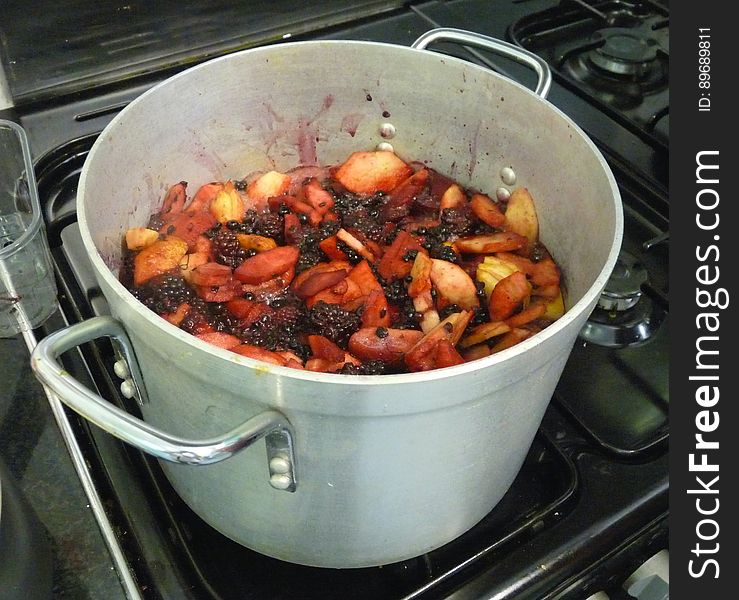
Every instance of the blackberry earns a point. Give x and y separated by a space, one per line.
333 322
281 329
448 310
227 250
164 293
310 253
372 367
270 225
156 222
361 212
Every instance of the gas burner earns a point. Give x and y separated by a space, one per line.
621 64
625 52
624 316
614 53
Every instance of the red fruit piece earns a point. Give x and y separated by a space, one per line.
260 354
318 281
507 296
388 345
211 274
174 200
322 347
189 226
220 339
376 311
486 210
392 265
204 196
267 265
400 200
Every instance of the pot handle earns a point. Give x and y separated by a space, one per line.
520 55
269 424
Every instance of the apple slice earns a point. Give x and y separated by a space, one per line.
486 210
453 284
521 216
372 172
160 257
269 185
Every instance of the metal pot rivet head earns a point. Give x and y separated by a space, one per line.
128 389
280 481
508 175
121 369
502 194
385 146
279 465
387 130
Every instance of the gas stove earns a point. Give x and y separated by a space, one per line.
590 503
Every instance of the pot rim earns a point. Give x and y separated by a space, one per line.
584 304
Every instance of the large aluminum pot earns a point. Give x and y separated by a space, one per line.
357 470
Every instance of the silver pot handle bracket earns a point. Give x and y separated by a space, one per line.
520 55
270 424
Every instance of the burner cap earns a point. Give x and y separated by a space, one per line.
623 288
624 315
624 51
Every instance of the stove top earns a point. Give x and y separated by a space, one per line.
590 503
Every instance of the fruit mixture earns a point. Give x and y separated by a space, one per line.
369 267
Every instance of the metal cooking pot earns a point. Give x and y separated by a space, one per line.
357 470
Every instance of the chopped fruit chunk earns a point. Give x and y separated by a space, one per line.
189 227
174 200
160 257
355 244
260 353
220 339
492 269
385 344
484 332
486 210
268 186
204 196
267 265
452 197
211 274
258 243
503 241
533 311
227 205
372 172
138 238
510 293
397 260
453 284
513 337
521 215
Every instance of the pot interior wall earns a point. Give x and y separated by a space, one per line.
276 108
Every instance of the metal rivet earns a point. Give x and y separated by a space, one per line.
128 389
387 130
120 367
279 465
508 175
502 194
280 481
385 146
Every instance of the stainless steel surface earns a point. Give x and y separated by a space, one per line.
449 34
134 431
384 476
